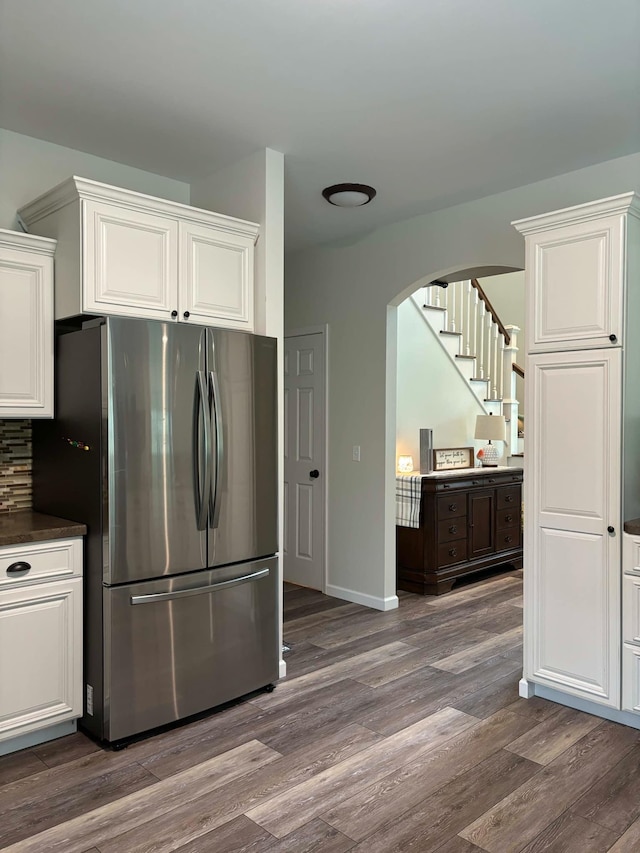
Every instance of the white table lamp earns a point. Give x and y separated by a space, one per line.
491 428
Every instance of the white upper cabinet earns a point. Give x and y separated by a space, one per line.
26 326
121 252
575 260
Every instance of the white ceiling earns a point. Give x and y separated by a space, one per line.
433 102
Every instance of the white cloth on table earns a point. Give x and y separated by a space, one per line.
408 495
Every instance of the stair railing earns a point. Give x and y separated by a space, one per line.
483 335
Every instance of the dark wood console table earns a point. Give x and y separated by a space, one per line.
469 521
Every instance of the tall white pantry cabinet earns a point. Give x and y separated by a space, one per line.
583 444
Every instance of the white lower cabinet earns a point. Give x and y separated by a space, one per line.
631 678
40 636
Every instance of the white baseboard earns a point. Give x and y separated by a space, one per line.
41 736
627 718
390 603
282 669
525 689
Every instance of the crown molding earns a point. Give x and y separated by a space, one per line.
28 242
82 188
626 203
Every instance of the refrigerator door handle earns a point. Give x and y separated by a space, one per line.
198 590
216 491
201 480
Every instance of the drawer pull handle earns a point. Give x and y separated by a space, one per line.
453 552
18 568
475 482
508 498
453 507
492 479
508 518
453 529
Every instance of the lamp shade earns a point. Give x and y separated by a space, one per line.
405 464
491 427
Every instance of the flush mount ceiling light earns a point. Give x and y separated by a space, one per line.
349 195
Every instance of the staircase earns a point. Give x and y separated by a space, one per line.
481 347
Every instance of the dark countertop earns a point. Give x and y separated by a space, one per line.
16 528
632 527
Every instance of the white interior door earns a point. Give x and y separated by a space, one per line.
304 460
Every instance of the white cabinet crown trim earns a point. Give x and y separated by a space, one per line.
29 242
626 203
76 187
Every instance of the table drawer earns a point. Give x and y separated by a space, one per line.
508 497
508 518
41 561
508 538
452 552
451 506
450 529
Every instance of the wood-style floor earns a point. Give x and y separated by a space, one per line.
397 731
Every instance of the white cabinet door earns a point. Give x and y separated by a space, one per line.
573 497
216 277
40 656
574 297
26 329
130 261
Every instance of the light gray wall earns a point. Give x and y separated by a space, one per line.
353 288
30 167
431 392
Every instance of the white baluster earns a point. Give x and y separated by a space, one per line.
501 364
474 326
468 289
494 373
452 297
487 363
436 296
480 349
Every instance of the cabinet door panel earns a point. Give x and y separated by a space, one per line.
26 335
630 678
573 563
575 293
130 262
216 277
40 656
481 523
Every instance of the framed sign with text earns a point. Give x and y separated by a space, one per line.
451 458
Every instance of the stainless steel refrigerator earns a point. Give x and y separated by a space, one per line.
164 444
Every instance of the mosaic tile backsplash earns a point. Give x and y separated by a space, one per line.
15 465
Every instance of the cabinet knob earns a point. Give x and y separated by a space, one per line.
453 529
610 529
174 313
453 552
18 568
613 338
453 507
508 518
508 539
186 315
508 499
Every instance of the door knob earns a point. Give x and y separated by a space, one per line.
314 474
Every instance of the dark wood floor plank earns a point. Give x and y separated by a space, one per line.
571 833
239 835
444 640
99 824
381 803
523 815
490 699
478 652
436 691
439 817
64 750
286 813
629 842
457 845
536 708
314 837
353 667
554 735
17 765
186 821
614 801
20 823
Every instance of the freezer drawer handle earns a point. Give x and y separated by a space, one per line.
198 590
